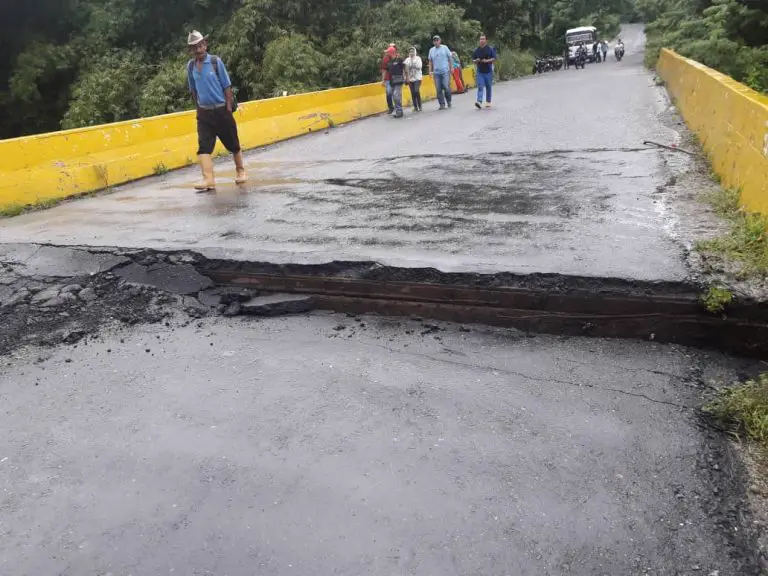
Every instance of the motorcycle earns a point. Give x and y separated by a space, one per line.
618 52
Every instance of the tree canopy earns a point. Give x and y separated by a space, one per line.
71 63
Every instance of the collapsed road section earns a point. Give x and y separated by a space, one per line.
666 312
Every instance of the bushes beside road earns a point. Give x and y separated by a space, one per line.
728 35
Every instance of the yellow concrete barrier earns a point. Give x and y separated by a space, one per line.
730 119
63 164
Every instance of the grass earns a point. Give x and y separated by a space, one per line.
745 241
716 299
12 210
743 410
160 169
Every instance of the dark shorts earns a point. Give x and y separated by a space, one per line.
216 123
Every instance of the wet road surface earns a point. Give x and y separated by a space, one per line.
553 179
333 445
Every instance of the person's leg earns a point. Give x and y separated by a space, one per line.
206 140
447 88
457 79
397 98
417 85
388 89
480 90
438 78
488 87
227 133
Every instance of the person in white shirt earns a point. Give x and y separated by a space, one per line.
414 73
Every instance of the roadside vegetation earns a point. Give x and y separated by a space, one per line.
746 241
728 35
73 63
742 410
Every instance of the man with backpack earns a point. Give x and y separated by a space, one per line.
214 99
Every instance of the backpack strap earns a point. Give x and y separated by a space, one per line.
189 72
215 63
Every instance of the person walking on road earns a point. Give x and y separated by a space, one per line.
458 73
484 56
441 66
397 76
388 55
211 91
414 73
604 49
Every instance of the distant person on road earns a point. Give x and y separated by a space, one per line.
566 55
440 67
396 70
484 56
596 52
458 74
388 55
414 73
211 91
604 49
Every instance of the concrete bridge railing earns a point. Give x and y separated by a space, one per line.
731 121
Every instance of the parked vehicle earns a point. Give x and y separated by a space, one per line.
585 34
547 64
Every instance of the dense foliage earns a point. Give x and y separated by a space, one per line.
70 63
728 35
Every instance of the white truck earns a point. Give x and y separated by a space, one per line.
586 34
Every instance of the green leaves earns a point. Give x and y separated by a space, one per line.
727 35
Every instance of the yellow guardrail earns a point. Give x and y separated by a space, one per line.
731 121
72 162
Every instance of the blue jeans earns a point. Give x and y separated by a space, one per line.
397 98
484 83
443 87
388 88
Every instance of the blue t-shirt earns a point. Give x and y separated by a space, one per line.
209 87
441 58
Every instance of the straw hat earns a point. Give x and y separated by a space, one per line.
195 38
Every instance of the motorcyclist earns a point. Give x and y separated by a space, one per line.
581 54
619 48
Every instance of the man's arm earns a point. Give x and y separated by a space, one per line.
230 99
431 64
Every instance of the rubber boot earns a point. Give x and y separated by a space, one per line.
206 165
241 176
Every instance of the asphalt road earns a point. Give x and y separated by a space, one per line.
553 179
330 445
325 444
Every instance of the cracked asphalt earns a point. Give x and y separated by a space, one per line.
332 444
145 433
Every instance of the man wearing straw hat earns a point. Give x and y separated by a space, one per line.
211 90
